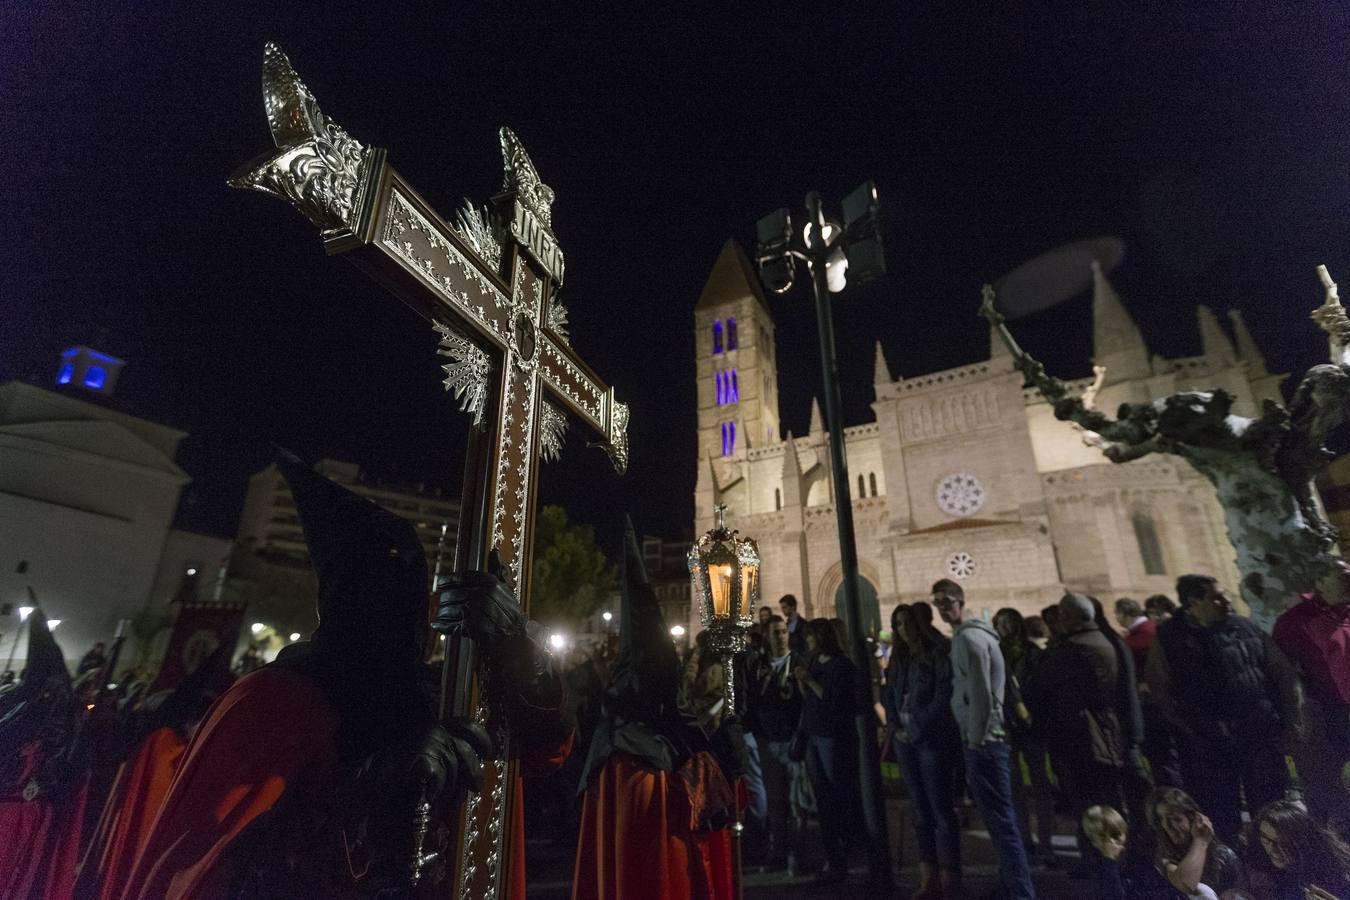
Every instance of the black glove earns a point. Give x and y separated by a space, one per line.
480 606
393 783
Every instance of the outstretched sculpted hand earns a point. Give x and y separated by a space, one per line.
480 606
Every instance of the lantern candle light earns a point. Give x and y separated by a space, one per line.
724 570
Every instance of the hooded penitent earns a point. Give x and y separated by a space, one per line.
39 724
373 601
641 714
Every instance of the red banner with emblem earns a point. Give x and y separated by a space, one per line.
199 629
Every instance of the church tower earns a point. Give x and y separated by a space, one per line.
735 361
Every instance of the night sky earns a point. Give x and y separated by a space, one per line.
1213 143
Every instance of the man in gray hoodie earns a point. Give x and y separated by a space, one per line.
977 703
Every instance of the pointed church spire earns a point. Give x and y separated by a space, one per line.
1116 341
882 372
997 349
816 426
732 278
1214 342
1247 350
792 475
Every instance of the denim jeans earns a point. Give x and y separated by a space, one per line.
990 786
832 764
784 792
757 807
927 771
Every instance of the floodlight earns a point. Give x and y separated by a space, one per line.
295 636
860 204
557 641
775 263
52 623
607 616
24 613
677 631
258 627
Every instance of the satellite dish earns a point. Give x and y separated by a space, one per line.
1056 276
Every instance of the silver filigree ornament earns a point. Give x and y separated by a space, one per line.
617 445
552 432
477 226
468 372
557 321
521 177
317 166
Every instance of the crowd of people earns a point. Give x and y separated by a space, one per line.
1180 748
1196 755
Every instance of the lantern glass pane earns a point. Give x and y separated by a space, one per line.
749 588
721 577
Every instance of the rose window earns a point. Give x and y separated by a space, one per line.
960 494
961 565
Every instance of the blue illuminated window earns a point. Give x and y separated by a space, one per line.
721 388
728 438
94 377
731 334
717 336
67 372
734 389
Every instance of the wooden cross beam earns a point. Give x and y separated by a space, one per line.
489 286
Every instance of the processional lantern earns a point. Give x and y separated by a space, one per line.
724 571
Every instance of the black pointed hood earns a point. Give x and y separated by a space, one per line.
372 570
45 660
646 678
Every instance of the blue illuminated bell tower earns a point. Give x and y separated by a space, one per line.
89 370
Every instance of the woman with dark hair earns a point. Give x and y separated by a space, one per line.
1186 853
926 740
832 745
1302 859
1020 656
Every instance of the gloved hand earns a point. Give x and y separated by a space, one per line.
394 782
445 755
480 606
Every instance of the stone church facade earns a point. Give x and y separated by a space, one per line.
961 474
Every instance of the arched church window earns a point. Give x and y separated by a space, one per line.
1150 548
734 394
717 336
862 487
728 438
777 498
721 388
731 333
872 481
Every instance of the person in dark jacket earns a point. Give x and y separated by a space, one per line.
924 734
773 708
1073 699
832 744
1021 655
1231 698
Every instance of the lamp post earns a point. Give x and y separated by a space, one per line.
834 254
724 574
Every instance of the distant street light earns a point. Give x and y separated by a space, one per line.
52 623
24 613
192 571
677 631
295 636
557 641
258 628
607 616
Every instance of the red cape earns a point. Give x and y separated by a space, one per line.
637 837
40 841
140 788
270 731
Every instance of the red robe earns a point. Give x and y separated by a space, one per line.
639 836
141 786
273 734
40 838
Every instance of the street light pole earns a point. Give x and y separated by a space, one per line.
873 798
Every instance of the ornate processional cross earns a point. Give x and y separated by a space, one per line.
489 286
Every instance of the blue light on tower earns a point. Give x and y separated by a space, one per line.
67 372
94 377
